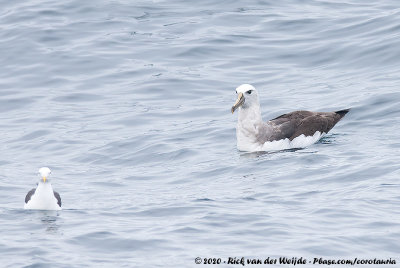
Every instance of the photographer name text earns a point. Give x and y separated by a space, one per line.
293 261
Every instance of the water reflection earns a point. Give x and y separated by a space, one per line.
328 139
48 219
262 153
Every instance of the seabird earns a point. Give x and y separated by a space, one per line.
43 197
297 129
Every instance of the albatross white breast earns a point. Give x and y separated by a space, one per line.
43 197
292 130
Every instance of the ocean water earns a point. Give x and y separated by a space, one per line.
128 102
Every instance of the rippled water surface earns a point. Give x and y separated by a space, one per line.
128 102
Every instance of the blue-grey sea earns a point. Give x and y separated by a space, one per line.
128 102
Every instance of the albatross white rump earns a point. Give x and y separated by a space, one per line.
292 130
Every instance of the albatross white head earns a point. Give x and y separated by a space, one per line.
44 173
247 102
249 118
247 98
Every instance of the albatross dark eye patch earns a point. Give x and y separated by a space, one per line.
249 92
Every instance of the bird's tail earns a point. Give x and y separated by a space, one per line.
343 112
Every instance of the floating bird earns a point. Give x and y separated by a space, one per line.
297 129
43 197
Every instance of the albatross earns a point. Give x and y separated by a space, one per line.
297 129
43 197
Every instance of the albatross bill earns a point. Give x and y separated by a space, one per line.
297 129
43 197
238 102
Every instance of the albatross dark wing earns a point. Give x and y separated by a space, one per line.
342 113
58 197
29 195
293 116
296 123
